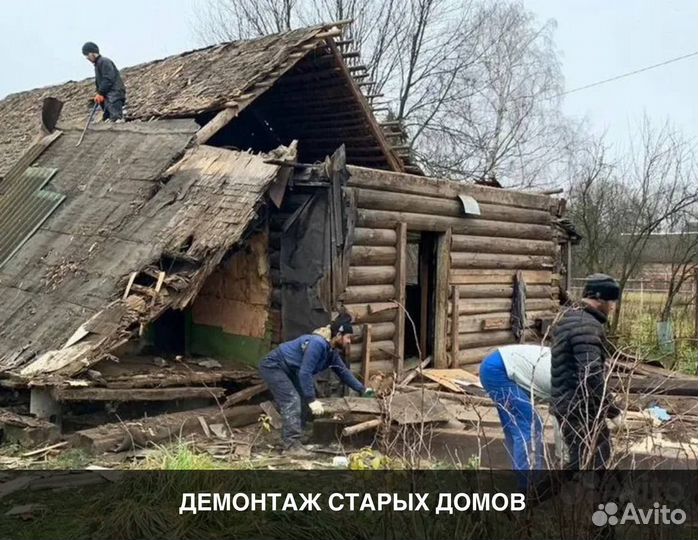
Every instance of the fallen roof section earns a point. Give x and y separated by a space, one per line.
132 219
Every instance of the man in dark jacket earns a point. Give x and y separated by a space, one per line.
581 400
289 369
111 92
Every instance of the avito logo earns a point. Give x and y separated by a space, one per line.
607 514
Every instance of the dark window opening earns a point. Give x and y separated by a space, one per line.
420 293
168 333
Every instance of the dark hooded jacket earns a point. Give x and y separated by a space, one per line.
108 80
578 366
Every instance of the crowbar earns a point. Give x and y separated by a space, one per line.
89 120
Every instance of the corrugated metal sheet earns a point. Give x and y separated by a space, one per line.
24 206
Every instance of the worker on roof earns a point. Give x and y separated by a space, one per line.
581 400
289 369
111 92
514 376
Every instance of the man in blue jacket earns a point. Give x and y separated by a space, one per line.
289 372
111 92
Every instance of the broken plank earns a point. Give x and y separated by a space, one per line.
347 405
127 435
274 416
244 395
360 427
366 353
136 394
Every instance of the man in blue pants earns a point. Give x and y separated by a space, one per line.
513 375
289 369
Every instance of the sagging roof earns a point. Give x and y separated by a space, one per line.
146 217
230 75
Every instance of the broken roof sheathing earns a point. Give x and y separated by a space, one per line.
131 207
229 75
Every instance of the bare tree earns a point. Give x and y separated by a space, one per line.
618 206
682 251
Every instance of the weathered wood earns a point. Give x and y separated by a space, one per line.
269 409
414 372
365 353
244 394
357 294
512 246
439 206
500 261
166 378
371 275
217 123
400 285
363 426
424 300
136 394
376 312
487 338
474 277
464 225
372 255
374 237
420 185
496 321
454 326
475 306
380 350
126 435
443 251
474 355
503 291
379 331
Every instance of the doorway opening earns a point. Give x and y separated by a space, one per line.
420 298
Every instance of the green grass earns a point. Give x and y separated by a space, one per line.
637 330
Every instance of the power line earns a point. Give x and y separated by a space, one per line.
628 74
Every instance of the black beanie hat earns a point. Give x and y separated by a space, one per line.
341 325
601 287
89 47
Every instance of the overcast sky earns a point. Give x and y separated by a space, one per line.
40 43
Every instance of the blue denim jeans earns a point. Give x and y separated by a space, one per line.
283 385
523 429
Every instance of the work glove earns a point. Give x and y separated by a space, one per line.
616 423
316 408
369 392
99 99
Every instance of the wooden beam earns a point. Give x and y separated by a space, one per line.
363 426
393 161
217 123
371 275
400 292
374 237
136 394
454 326
443 257
244 395
366 354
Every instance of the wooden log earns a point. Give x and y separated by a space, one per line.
475 355
126 435
372 313
363 426
372 255
217 123
380 350
454 326
474 277
365 353
368 293
475 306
443 252
500 261
377 366
374 237
485 244
136 394
371 275
503 291
439 206
379 332
187 377
244 394
496 321
464 225
420 185
400 285
486 339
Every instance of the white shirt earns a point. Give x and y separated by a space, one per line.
529 367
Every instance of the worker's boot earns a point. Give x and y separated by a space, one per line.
296 449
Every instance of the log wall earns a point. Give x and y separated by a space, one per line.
514 232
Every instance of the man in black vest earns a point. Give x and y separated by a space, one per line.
581 400
111 92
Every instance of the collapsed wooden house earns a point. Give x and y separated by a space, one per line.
250 194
